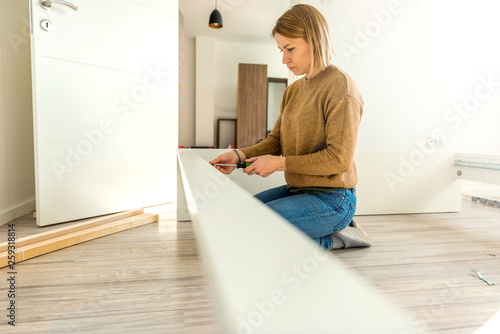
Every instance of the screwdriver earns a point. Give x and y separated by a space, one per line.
238 165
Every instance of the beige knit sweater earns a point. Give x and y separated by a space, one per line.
316 131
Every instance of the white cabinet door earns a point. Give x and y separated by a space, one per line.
105 87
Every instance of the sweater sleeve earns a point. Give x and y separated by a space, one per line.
342 119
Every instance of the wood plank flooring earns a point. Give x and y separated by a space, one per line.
423 263
150 280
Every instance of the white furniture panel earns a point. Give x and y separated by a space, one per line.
268 277
105 91
389 182
407 182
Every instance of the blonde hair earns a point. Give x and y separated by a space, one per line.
305 21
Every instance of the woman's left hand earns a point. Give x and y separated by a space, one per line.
265 165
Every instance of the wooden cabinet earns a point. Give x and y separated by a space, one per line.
252 104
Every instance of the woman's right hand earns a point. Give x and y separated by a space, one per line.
227 158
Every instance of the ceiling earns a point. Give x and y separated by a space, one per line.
249 21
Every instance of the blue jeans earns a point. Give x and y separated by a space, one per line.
317 215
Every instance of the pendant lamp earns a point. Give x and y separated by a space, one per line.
215 18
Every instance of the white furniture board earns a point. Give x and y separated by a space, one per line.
389 182
268 277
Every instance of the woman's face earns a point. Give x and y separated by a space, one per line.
296 54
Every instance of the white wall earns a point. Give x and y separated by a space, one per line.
428 71
418 63
205 91
17 184
186 96
216 83
425 69
227 57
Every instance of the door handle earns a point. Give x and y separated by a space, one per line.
48 4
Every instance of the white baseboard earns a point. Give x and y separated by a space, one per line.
16 212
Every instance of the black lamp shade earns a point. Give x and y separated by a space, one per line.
215 20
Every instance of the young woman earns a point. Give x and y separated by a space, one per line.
314 138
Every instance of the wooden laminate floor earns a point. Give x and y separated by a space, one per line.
150 280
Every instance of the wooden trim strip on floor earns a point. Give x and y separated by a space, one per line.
39 244
72 228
